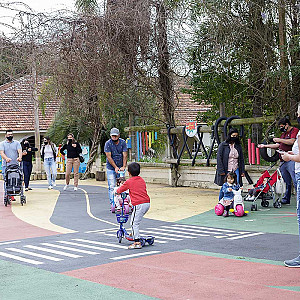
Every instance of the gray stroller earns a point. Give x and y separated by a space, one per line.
13 180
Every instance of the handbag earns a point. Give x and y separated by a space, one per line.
81 158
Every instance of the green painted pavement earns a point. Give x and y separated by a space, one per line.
271 220
228 256
28 283
288 288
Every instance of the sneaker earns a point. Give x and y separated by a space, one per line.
26 189
65 187
284 201
75 188
30 189
251 198
54 184
136 245
12 198
293 263
50 187
225 214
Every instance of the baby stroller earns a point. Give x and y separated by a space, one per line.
273 189
13 180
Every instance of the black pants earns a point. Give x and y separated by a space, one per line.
27 169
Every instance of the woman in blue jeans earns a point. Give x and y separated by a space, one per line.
27 152
48 154
294 155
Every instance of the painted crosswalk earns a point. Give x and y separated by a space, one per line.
61 250
178 232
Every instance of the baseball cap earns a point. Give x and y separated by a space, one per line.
114 131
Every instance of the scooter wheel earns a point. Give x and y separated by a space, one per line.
151 241
119 235
143 242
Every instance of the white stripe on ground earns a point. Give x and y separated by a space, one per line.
161 237
53 251
245 235
206 228
6 243
100 243
88 210
69 248
29 261
135 255
194 230
87 246
173 233
99 230
186 231
34 254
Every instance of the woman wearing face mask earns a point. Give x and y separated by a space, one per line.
230 158
27 152
73 149
48 154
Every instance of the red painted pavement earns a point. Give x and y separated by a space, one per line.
12 228
179 275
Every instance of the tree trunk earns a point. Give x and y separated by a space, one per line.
36 115
164 72
283 56
93 151
295 54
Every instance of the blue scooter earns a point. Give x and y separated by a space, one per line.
122 232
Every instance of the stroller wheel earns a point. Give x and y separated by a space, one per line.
265 203
254 207
119 235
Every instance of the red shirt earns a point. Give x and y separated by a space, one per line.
137 190
292 134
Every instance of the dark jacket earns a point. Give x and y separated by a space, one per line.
222 162
53 147
72 152
28 156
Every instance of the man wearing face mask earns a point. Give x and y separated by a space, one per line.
116 160
285 143
10 151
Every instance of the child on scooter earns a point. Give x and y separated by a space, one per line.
226 202
139 199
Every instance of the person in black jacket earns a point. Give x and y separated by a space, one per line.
230 158
73 149
27 152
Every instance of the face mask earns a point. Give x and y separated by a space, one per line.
45 142
282 129
70 140
115 141
10 138
234 139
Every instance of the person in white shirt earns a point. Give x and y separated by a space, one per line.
48 154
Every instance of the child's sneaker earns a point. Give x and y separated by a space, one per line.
135 245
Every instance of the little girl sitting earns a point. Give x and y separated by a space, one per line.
118 200
229 189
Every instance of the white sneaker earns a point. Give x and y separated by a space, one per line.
75 188
65 187
54 184
50 187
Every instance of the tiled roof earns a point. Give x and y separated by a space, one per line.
17 106
186 109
